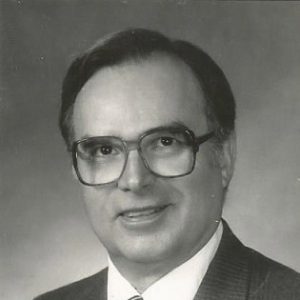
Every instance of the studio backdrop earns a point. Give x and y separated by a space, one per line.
45 237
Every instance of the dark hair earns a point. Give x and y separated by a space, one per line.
138 44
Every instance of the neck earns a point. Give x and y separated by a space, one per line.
142 275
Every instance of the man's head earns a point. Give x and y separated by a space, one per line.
131 83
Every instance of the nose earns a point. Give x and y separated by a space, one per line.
135 176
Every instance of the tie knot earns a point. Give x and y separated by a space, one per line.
136 298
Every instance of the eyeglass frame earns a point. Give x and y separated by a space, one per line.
196 141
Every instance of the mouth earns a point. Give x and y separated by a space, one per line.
142 214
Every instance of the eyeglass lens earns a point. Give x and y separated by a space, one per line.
101 160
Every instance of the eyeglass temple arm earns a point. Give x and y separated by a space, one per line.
203 138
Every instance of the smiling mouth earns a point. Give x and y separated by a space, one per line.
142 214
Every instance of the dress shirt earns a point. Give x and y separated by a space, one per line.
181 283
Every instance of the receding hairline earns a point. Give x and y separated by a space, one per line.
154 57
151 58
137 45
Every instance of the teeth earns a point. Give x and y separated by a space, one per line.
136 214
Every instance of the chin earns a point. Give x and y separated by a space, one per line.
147 252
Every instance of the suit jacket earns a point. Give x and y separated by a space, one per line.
236 273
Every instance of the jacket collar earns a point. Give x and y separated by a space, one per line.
227 276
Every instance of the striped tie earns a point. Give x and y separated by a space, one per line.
136 298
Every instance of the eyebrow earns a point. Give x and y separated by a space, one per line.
175 124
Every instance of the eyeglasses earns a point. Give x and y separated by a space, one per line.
165 151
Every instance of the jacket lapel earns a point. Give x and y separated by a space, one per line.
95 288
227 275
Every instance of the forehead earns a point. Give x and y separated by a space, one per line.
130 98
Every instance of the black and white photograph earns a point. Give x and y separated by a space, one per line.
149 150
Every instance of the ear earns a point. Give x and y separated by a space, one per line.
227 159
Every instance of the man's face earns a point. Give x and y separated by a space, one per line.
125 101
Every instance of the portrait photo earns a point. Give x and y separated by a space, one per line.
149 150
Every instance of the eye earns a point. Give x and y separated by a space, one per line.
98 150
104 150
164 142
167 141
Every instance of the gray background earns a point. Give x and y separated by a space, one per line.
45 237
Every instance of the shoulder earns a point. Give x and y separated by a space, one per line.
271 278
92 287
252 273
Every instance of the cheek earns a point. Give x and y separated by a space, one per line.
203 190
97 208
206 179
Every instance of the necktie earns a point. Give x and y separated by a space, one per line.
136 298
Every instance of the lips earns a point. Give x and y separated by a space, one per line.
143 213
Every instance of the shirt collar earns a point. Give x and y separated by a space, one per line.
181 283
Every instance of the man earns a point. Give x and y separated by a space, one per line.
150 124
